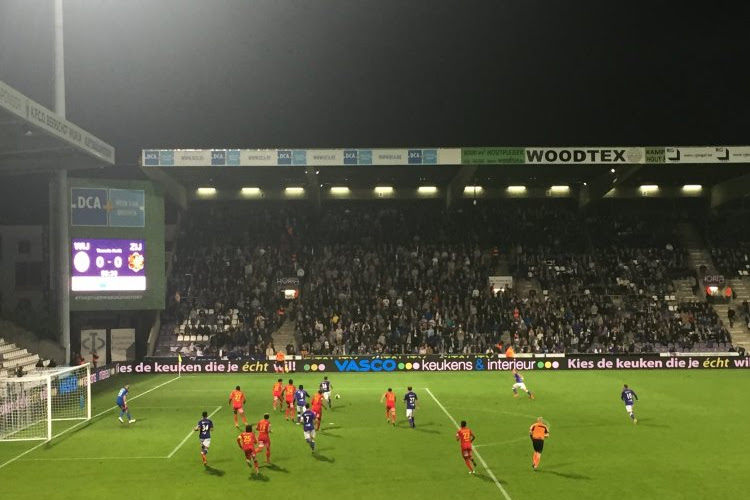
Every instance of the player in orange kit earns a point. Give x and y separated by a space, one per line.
289 391
264 438
466 438
539 431
237 400
278 388
247 441
390 406
316 404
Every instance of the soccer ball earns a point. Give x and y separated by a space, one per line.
338 396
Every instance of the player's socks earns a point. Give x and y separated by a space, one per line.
468 464
531 396
235 420
120 419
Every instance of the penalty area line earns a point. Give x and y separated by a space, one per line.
476 452
190 434
83 422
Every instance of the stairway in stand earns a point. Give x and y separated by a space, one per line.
522 287
740 334
684 290
698 254
284 336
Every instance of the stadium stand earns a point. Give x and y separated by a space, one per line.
12 357
410 277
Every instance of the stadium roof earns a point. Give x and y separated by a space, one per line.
723 172
34 139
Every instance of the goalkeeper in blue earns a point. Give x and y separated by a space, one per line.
122 402
629 397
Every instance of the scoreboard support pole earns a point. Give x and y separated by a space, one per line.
63 260
62 248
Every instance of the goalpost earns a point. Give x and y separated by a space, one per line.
29 404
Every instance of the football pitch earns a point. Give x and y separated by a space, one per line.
690 440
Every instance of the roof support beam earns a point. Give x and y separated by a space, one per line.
313 187
456 186
171 187
730 190
599 187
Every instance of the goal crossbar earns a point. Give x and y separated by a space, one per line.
30 404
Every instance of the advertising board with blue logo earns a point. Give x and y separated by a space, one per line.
446 363
94 206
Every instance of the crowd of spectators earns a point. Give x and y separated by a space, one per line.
728 236
412 278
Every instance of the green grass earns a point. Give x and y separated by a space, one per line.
688 443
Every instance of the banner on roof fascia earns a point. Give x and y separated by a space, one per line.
298 157
654 155
492 156
707 154
586 155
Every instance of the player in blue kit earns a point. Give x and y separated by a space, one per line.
308 426
204 428
122 402
325 387
629 397
300 399
410 398
519 384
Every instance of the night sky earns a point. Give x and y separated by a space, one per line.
325 73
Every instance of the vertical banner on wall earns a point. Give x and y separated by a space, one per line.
122 345
94 340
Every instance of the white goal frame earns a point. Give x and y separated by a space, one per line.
30 404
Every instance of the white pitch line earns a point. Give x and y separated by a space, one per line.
88 458
190 434
83 422
476 452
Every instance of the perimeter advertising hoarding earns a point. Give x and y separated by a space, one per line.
106 214
435 363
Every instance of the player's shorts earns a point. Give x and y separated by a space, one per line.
629 408
300 408
520 385
264 441
250 454
409 412
538 445
276 397
390 408
327 395
206 442
238 409
290 403
318 412
466 452
310 434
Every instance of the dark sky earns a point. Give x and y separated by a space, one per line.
335 73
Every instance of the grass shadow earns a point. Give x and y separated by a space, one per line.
566 475
428 431
484 476
323 458
332 435
259 477
213 472
276 468
649 423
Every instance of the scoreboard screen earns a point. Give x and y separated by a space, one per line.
108 265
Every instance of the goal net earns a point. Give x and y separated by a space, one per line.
30 404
